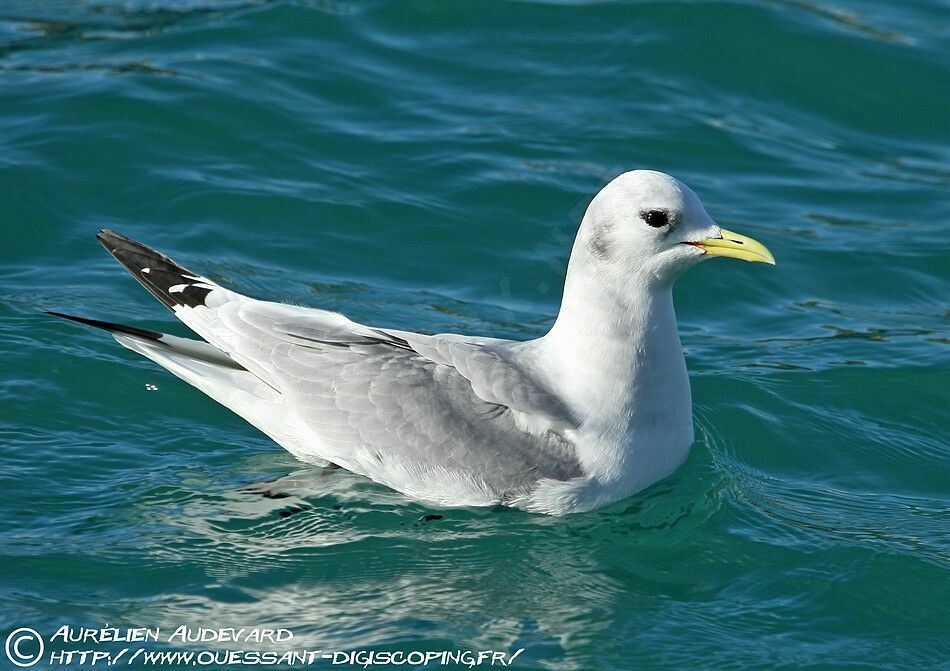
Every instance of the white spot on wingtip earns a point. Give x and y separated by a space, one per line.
146 270
177 288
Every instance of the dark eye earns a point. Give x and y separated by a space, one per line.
656 218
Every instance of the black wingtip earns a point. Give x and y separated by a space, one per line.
108 326
156 272
108 238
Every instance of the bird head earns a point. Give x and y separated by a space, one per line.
652 223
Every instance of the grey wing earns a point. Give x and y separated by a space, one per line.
444 418
414 424
495 375
423 416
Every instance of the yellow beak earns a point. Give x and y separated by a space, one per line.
737 247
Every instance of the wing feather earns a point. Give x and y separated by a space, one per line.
447 418
394 405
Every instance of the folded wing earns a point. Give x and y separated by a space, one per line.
444 418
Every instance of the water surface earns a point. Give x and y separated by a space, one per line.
424 165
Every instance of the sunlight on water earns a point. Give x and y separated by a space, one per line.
424 165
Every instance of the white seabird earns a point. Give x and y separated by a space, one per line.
593 411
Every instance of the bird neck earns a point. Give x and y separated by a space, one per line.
618 351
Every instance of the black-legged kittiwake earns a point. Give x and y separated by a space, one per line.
593 411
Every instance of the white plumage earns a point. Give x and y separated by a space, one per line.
593 411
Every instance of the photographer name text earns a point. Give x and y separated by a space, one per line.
180 634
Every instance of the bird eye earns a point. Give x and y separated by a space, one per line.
656 218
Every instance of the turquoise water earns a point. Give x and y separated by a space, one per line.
424 165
